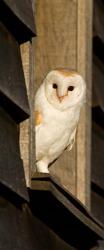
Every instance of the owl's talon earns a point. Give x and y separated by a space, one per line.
42 167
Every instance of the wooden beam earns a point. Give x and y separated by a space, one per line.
24 127
84 63
22 18
98 19
69 212
27 129
98 84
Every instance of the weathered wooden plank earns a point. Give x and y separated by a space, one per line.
17 16
84 61
13 95
98 19
97 156
11 165
32 158
24 126
27 129
97 205
68 212
98 86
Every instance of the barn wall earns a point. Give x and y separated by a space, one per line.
64 30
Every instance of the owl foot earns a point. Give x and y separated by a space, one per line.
42 167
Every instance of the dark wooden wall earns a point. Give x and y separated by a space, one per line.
21 230
97 149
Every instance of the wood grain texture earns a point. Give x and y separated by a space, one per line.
55 46
31 102
84 61
24 126
27 128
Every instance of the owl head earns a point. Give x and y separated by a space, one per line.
64 89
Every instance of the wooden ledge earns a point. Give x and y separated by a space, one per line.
63 213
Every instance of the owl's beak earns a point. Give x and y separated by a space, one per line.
61 98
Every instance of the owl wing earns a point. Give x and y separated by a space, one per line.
71 141
38 117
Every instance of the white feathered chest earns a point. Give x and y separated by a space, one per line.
56 126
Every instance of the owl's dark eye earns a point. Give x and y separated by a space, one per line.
70 88
54 86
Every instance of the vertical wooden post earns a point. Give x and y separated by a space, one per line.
24 126
84 66
27 129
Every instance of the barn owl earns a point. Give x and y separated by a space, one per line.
58 102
